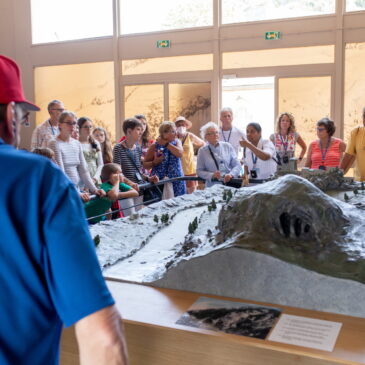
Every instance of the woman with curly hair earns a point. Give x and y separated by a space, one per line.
285 140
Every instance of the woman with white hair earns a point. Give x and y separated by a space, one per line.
217 161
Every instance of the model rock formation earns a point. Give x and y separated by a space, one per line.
331 179
290 219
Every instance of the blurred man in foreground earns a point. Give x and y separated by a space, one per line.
50 275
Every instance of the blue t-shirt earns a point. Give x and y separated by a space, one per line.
49 271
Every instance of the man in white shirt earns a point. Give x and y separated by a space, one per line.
48 130
228 133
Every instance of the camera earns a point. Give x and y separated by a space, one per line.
285 159
253 174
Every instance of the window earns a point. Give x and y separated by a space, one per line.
147 100
141 16
87 89
237 11
354 87
167 64
308 99
279 57
55 21
355 5
252 100
191 101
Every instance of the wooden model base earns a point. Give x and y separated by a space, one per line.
153 337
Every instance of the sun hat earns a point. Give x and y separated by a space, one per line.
188 124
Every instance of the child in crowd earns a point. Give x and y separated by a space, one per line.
46 152
114 184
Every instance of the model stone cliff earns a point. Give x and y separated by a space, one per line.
291 219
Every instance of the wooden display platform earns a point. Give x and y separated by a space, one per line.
153 337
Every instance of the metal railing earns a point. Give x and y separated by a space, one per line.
148 186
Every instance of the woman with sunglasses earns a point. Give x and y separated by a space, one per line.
69 156
327 151
91 148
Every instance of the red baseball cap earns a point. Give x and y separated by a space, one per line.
11 88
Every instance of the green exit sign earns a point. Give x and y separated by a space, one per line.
272 35
163 44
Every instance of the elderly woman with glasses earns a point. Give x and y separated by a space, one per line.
327 151
164 157
217 162
69 155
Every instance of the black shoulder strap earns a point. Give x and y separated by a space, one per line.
213 157
128 152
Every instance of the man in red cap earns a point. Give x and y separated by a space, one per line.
50 275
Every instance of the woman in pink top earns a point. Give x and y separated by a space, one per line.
327 151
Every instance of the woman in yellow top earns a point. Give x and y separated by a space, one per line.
188 140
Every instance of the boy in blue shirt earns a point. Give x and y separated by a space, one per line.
50 275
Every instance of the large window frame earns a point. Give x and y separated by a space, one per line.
338 29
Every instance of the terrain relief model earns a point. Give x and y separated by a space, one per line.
284 242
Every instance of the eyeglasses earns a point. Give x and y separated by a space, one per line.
87 126
58 110
25 120
70 123
212 133
171 131
321 129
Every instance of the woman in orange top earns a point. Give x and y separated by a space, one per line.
327 151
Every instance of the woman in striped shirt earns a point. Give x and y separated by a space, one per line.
327 151
69 156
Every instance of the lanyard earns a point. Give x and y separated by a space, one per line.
53 132
229 136
285 143
254 159
324 153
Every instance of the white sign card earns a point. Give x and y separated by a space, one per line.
308 332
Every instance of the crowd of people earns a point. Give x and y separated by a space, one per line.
51 274
225 154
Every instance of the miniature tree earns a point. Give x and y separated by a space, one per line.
356 191
346 197
191 228
155 218
96 240
362 185
210 208
195 223
214 205
224 195
229 195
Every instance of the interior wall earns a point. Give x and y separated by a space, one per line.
337 29
7 42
